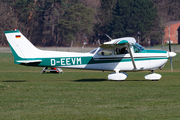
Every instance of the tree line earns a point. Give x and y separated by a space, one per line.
78 22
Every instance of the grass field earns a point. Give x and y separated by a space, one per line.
86 95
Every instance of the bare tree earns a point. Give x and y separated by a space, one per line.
7 21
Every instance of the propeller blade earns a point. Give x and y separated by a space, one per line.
171 64
169 46
169 41
170 51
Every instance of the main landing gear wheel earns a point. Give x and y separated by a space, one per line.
153 76
117 76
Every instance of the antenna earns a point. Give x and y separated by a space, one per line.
109 37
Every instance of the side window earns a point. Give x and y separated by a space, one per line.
123 50
105 52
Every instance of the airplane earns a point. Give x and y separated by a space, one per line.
120 55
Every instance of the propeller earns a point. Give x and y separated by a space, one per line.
171 54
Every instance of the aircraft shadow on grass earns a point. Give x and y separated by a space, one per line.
141 80
101 80
90 80
86 80
14 81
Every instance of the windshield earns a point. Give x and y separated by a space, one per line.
137 48
93 51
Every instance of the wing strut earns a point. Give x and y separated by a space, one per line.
132 58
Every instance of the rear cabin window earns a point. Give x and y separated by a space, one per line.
105 52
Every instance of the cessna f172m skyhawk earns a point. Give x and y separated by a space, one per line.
119 55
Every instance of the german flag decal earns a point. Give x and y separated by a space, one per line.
18 36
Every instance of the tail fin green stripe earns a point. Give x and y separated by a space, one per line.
13 31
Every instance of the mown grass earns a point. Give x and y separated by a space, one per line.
86 94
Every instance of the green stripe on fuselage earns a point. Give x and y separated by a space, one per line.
65 61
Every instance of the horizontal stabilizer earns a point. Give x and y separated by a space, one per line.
29 61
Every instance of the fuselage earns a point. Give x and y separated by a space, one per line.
144 60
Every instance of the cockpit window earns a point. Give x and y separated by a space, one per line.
137 48
105 52
93 51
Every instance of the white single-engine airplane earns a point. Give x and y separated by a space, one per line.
119 55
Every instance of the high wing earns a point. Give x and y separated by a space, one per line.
120 41
128 41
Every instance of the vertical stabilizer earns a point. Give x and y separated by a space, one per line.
21 47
